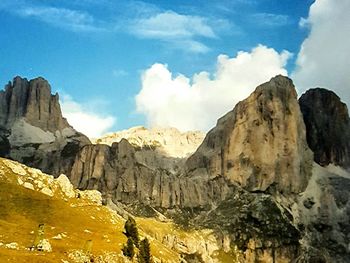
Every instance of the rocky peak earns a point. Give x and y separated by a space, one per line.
31 100
328 126
32 128
261 144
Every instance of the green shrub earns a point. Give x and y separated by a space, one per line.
128 249
144 255
131 231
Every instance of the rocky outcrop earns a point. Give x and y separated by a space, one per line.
328 127
33 130
261 144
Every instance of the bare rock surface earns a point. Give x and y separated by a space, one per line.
33 130
252 180
261 144
33 101
328 126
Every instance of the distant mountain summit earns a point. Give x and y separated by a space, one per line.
169 141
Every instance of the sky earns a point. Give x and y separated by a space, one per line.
123 63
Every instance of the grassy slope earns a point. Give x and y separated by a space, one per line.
21 210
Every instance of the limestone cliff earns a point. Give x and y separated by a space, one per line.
252 180
31 100
259 145
115 171
232 183
328 126
32 128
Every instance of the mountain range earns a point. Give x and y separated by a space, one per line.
271 180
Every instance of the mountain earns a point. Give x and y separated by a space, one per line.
328 126
165 148
266 181
168 141
261 144
32 128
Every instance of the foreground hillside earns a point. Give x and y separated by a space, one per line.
71 218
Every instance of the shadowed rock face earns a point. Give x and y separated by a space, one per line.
328 126
114 170
33 130
33 101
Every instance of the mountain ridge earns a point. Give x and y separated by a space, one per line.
253 180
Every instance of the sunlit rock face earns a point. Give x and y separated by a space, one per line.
261 144
328 126
168 141
252 180
32 128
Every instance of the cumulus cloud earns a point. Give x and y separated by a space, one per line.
181 31
197 102
84 120
324 58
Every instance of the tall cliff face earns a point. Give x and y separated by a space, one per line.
31 100
32 128
115 171
328 126
261 144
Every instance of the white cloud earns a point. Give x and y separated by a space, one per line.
68 19
270 20
324 58
181 31
83 120
197 102
61 17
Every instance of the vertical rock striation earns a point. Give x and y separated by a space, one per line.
33 130
261 144
31 100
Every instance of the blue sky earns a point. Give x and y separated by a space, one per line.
100 54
